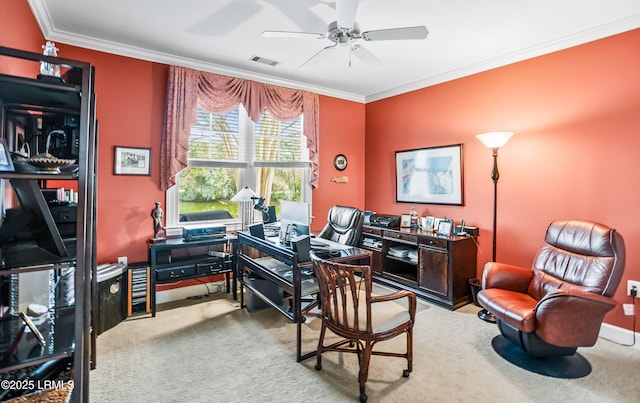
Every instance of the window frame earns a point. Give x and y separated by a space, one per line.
247 135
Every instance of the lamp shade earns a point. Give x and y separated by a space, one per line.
246 194
494 140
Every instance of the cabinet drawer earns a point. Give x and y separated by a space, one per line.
438 243
401 236
212 267
170 273
372 231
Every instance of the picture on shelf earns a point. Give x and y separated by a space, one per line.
427 222
444 228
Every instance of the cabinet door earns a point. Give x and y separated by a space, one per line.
434 268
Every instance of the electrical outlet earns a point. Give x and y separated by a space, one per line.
123 260
631 284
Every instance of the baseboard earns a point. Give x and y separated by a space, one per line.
618 335
196 290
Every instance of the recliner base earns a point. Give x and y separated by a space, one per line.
564 366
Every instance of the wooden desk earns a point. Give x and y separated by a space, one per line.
278 264
441 272
175 260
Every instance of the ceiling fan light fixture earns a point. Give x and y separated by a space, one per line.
345 32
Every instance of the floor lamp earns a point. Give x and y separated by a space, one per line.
245 198
493 141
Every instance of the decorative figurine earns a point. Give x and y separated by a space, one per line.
49 69
157 214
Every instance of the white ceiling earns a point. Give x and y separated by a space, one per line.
465 37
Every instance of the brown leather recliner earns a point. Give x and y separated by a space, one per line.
344 225
545 313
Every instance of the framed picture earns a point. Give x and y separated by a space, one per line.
132 161
405 221
430 175
427 223
6 163
444 228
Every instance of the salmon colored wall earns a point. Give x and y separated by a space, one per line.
574 155
19 30
341 132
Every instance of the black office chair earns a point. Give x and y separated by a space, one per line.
344 225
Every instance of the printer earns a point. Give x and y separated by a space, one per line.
385 221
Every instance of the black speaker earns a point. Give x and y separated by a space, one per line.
269 215
302 245
257 230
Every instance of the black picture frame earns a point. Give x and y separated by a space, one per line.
6 163
132 161
431 175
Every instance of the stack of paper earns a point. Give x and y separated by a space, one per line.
399 251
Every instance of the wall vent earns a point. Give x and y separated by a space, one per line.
263 60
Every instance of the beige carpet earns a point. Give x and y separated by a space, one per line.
211 351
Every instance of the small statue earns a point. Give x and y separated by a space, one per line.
50 69
157 214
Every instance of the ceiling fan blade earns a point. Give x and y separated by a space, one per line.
318 53
346 10
366 56
393 34
289 34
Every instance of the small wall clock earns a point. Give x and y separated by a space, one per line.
340 162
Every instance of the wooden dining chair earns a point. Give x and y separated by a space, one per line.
361 319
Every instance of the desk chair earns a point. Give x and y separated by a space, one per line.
344 225
545 313
351 312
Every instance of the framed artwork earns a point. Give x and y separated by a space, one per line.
427 222
6 163
405 221
132 161
444 228
430 175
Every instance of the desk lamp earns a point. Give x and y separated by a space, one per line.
493 141
245 198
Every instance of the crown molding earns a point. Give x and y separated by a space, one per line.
50 33
600 32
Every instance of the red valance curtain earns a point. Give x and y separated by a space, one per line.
187 88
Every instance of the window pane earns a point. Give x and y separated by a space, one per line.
215 137
208 189
286 184
279 141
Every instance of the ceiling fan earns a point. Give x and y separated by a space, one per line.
345 32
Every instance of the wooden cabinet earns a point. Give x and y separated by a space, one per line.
47 253
436 268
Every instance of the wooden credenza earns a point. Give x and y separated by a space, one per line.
436 268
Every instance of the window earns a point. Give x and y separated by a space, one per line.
229 151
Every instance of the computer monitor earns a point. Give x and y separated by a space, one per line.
294 220
297 212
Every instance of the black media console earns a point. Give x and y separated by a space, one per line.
174 260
